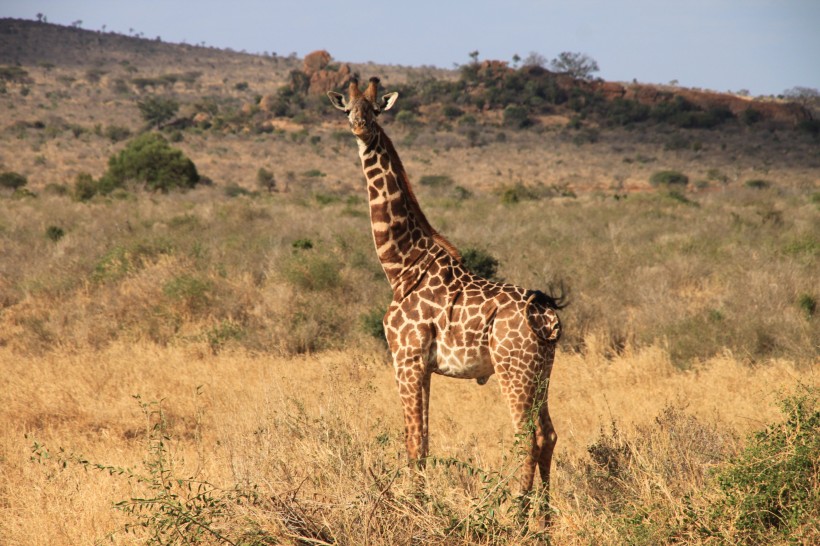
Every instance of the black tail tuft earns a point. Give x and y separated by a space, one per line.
557 296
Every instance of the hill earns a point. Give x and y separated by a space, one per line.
73 94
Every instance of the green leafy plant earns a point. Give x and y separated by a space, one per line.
808 304
166 508
265 179
436 180
481 263
373 323
55 233
772 489
157 110
151 161
12 180
757 184
668 178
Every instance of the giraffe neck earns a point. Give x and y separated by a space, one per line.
404 239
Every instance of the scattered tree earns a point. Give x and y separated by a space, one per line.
157 110
805 96
265 179
535 59
578 65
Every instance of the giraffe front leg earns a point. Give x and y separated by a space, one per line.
413 380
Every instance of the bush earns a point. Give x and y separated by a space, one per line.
516 117
668 178
373 323
85 187
157 110
481 263
772 489
436 180
757 184
55 233
12 180
265 179
150 160
117 133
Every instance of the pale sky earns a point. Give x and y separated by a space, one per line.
763 46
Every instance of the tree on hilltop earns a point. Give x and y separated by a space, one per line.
578 65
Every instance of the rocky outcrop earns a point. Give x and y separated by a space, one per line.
323 76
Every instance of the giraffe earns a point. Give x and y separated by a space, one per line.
443 319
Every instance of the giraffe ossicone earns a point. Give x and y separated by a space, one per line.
444 319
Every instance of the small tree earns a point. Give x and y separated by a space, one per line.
265 179
577 65
535 59
806 96
150 160
157 110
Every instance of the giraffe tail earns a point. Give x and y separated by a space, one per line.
542 316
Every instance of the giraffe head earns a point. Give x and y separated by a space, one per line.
362 108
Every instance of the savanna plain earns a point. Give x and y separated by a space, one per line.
205 366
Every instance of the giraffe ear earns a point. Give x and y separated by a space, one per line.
337 100
388 101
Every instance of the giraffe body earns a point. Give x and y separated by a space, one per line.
443 319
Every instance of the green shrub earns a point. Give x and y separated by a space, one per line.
120 260
310 270
12 180
151 161
192 291
373 323
452 112
517 193
56 189
235 190
668 178
436 180
757 184
481 263
516 116
117 133
808 304
772 489
55 233
750 116
84 187
265 179
157 110
302 244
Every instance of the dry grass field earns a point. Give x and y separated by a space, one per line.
204 367
318 439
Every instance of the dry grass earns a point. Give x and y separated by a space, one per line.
321 437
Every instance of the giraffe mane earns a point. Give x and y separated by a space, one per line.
404 181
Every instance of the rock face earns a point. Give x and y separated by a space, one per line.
322 75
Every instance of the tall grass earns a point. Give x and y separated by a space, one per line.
732 271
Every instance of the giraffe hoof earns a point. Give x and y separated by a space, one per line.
482 380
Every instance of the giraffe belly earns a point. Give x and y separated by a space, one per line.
463 363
